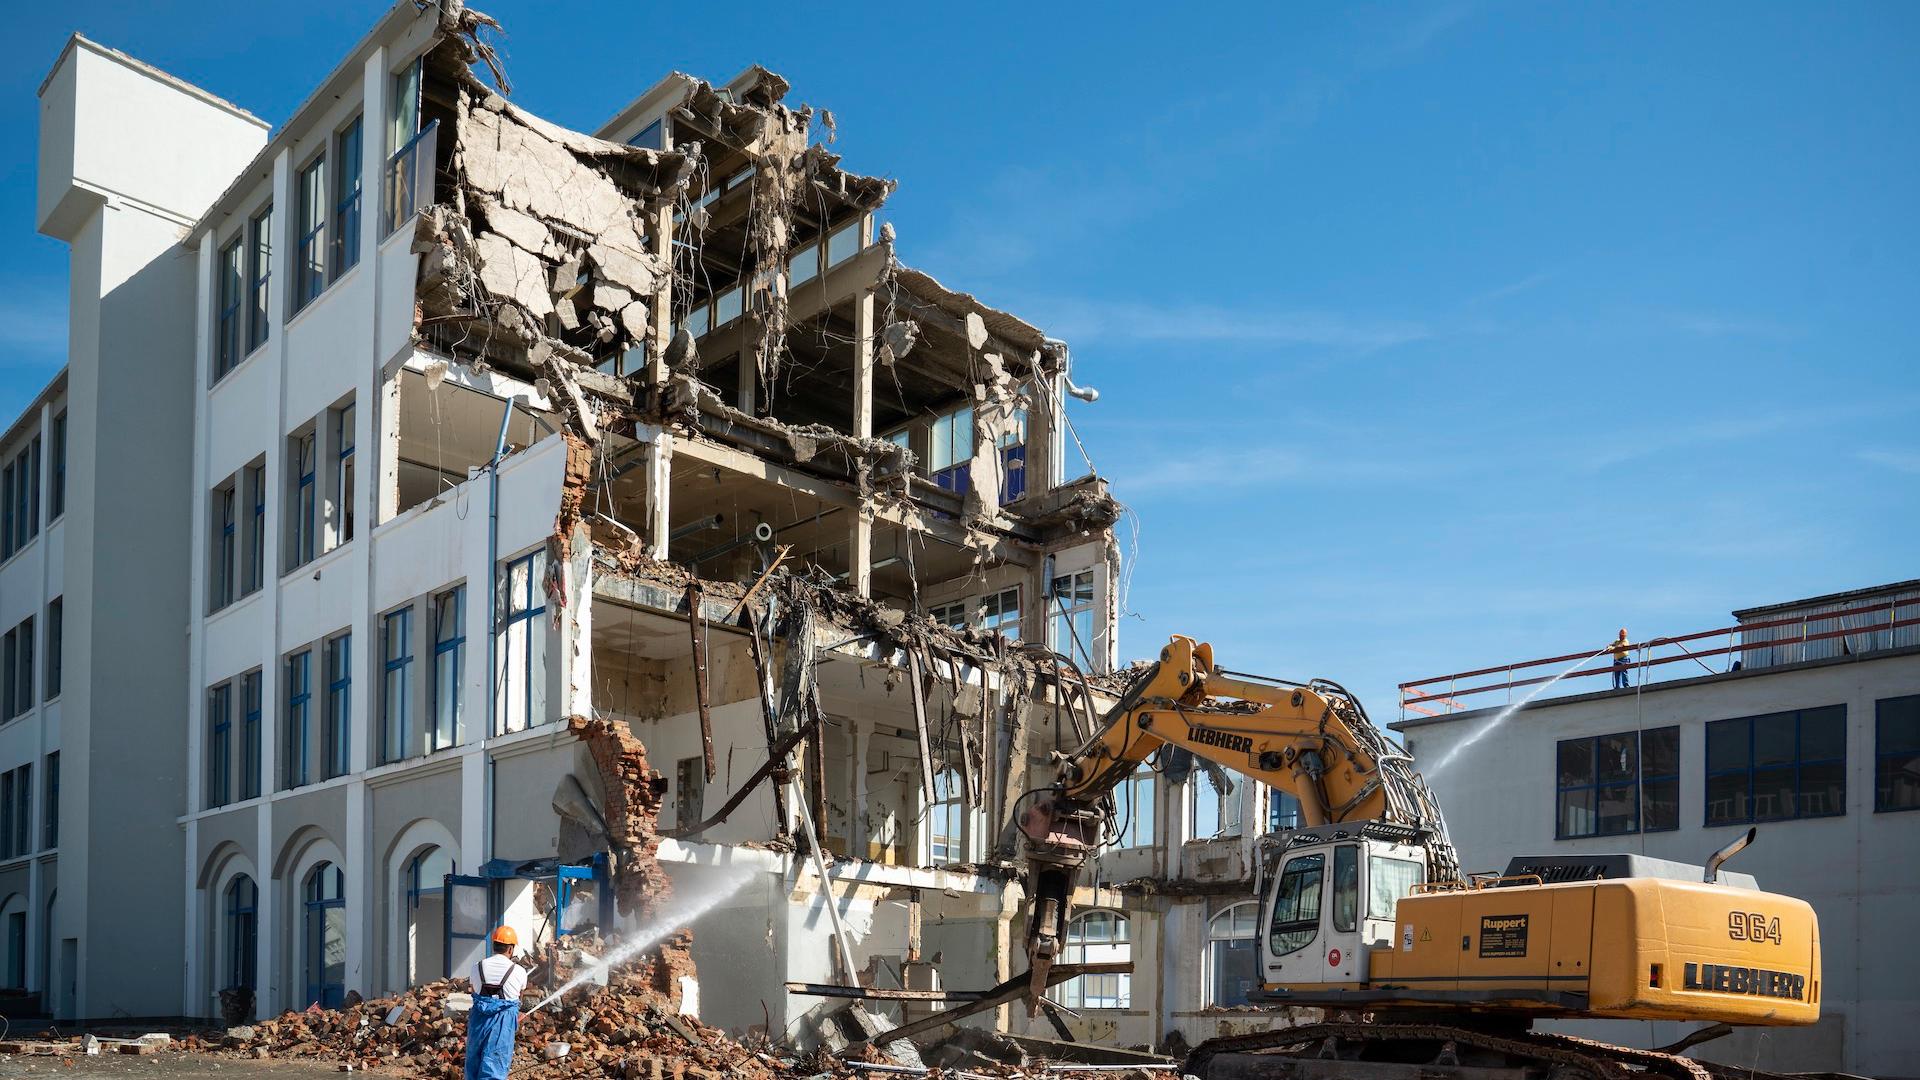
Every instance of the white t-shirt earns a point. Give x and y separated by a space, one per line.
501 969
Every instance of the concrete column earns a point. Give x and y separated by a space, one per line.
659 494
860 571
857 833
267 997
363 887
662 304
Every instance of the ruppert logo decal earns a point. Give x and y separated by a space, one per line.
1503 935
1720 978
1223 740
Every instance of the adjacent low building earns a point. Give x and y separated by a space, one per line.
1802 721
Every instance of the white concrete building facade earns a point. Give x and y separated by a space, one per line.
1816 745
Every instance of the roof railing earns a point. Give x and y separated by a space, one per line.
1442 693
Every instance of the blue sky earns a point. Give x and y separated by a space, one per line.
1429 337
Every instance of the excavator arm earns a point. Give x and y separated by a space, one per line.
1310 739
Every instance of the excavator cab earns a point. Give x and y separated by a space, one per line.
1330 897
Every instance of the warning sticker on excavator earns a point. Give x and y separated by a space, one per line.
1406 938
1503 935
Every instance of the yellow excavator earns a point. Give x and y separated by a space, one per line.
1420 970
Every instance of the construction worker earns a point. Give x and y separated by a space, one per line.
497 983
1621 649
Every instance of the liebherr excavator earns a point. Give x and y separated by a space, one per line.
1422 972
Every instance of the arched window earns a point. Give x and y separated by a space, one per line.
1233 955
1097 937
426 914
240 962
324 933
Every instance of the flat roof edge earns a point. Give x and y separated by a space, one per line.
108 52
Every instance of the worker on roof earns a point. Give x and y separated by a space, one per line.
497 984
1622 650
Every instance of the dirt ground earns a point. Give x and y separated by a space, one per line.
163 1066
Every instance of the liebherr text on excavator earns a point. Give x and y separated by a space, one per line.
1366 912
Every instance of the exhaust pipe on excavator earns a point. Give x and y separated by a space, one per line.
1719 858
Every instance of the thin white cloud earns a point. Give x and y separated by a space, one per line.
1112 320
1512 288
1904 461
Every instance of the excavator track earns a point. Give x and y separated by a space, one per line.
1560 1055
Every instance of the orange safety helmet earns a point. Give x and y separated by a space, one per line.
504 935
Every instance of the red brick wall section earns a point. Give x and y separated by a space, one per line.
634 789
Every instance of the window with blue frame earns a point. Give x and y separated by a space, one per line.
242 933
232 287
343 471
336 726
310 243
1612 785
523 643
220 745
226 550
250 747
1776 766
396 689
325 936
295 767
651 137
259 275
346 198
1283 811
300 531
449 658
257 537
50 811
1896 753
950 450
1011 446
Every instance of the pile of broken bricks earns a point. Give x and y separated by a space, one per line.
626 1029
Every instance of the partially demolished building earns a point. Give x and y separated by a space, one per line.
579 519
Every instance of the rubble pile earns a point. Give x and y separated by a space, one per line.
630 1029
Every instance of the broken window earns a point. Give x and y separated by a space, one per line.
1233 956
226 546
403 107
449 647
1215 813
426 915
523 642
953 616
1000 613
447 431
1010 448
259 274
409 152
219 745
1133 806
302 499
346 198
1098 937
250 748
310 264
226 355
1073 618
396 691
294 764
689 791
336 726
